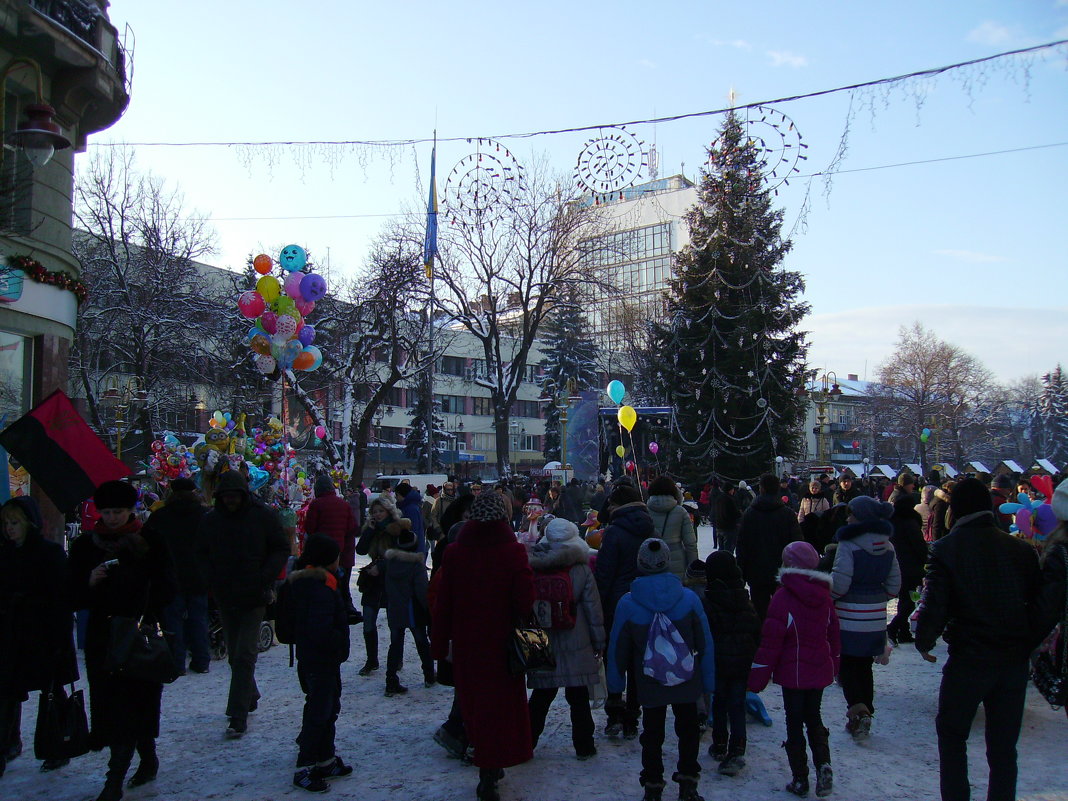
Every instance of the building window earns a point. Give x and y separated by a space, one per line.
525 408
452 365
15 376
530 442
451 404
483 442
482 406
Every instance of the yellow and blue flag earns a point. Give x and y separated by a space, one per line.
430 243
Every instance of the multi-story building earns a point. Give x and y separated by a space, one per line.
64 78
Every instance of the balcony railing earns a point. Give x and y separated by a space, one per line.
77 16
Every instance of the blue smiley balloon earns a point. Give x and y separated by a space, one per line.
293 258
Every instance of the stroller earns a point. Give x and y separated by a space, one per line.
215 632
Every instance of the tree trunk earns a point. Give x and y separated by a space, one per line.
500 424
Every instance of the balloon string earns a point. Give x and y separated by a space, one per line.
634 456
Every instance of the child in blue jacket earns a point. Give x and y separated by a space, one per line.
660 627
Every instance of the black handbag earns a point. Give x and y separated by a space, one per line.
62 729
529 650
138 651
1049 662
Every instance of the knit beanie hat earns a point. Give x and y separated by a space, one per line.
407 541
320 550
969 496
183 485
865 509
723 566
488 506
561 530
653 556
1060 501
801 555
115 495
323 486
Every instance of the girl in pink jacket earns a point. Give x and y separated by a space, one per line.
799 650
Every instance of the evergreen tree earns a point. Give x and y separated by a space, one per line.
731 357
415 444
571 355
1051 416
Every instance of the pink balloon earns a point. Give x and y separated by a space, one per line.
320 432
268 321
285 326
305 307
251 304
293 286
654 448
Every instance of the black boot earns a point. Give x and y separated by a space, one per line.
798 756
687 787
393 686
487 784
148 766
821 757
734 760
654 791
118 764
370 641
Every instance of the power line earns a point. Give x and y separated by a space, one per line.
713 112
808 175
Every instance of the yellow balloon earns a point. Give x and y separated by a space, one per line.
269 288
620 451
627 417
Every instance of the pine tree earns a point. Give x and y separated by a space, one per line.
732 359
1051 414
415 444
570 356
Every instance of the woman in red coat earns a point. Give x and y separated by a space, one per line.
486 588
331 515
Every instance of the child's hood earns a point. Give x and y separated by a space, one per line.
314 574
810 587
659 592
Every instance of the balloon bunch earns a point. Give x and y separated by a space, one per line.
627 417
171 459
339 475
1032 519
281 339
924 435
268 452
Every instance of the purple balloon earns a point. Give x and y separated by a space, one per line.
306 335
313 287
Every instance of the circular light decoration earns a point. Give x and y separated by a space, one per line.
778 144
482 185
611 162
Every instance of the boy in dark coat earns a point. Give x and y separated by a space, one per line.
656 591
322 644
735 630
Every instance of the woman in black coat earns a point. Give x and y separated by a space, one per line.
911 550
36 640
116 569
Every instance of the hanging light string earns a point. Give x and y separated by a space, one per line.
584 128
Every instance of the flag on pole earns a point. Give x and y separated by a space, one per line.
60 452
430 243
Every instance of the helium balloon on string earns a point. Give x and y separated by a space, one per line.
654 449
616 391
627 417
620 451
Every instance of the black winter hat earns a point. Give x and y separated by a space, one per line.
323 486
969 496
115 495
723 566
407 541
320 550
662 485
183 485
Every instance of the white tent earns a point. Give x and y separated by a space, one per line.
1012 465
977 467
1047 465
884 470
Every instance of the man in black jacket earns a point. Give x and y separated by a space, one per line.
246 551
767 527
980 590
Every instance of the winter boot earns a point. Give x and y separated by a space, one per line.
149 764
798 757
687 787
370 641
118 764
818 741
654 791
393 686
487 784
858 722
734 760
718 749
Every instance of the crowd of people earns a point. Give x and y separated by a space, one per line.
795 593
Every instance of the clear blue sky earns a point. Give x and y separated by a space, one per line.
973 247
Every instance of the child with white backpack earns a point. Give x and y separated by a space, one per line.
660 627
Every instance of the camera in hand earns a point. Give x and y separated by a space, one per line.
110 563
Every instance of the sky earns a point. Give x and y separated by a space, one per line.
915 225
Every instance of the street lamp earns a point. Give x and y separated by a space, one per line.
125 395
866 463
778 466
38 136
562 399
828 389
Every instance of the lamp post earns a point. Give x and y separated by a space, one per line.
562 399
778 466
828 389
866 463
38 136
125 395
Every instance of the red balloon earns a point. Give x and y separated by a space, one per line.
262 264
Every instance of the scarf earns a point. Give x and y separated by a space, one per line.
126 537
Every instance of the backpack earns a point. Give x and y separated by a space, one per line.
668 659
285 616
554 599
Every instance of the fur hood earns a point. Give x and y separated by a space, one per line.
318 573
851 531
555 555
942 495
815 575
661 504
405 556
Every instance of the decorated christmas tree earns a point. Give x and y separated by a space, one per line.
732 357
571 356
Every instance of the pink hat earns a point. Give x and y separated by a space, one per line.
801 555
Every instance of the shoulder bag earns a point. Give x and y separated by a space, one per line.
529 649
62 730
1049 662
137 650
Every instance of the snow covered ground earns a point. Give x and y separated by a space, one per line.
389 742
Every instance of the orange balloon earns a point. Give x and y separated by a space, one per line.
262 264
303 361
260 345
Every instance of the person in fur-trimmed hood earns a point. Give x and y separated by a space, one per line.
384 526
577 650
866 575
672 524
322 644
404 566
799 651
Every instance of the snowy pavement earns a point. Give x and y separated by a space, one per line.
388 740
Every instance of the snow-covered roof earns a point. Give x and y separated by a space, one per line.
915 469
883 470
1012 465
950 470
850 388
977 467
1047 465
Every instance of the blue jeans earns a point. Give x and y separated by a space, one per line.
186 621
